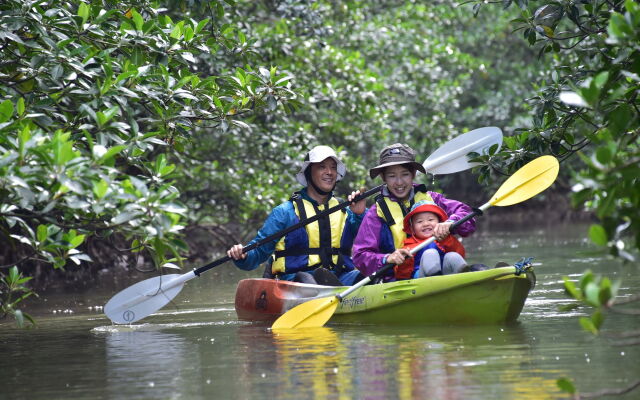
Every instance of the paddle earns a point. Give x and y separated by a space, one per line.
145 297
528 181
452 156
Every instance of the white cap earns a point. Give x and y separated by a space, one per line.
316 155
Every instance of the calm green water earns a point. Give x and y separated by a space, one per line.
196 348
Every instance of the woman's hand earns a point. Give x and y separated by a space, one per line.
398 256
236 253
441 230
359 207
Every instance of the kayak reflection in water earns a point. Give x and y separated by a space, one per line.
319 252
381 237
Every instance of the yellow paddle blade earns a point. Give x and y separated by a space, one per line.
311 314
531 179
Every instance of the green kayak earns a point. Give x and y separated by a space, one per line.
492 296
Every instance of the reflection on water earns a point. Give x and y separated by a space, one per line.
198 349
143 365
312 363
373 363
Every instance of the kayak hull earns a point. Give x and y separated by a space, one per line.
473 298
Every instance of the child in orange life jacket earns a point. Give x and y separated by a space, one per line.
444 257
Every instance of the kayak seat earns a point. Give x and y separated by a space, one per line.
475 267
325 277
267 272
304 277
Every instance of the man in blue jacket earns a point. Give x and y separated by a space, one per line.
320 251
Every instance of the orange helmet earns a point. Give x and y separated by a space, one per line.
423 206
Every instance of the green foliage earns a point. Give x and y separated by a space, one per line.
566 385
95 97
594 291
598 235
588 105
368 74
12 292
131 84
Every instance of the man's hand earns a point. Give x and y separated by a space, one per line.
359 207
236 253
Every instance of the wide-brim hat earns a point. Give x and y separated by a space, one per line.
316 155
396 154
423 206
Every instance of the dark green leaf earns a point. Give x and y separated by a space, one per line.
571 288
604 155
566 385
596 319
6 110
620 119
587 325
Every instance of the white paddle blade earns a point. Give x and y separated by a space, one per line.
144 298
452 156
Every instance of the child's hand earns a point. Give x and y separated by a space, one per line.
441 230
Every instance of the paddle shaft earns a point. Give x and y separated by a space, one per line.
413 251
292 228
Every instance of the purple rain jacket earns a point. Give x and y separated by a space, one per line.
367 255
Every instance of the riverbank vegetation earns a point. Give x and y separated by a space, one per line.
121 124
588 106
125 127
136 134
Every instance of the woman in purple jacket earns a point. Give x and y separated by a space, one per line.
381 235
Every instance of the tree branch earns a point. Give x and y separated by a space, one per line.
606 392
